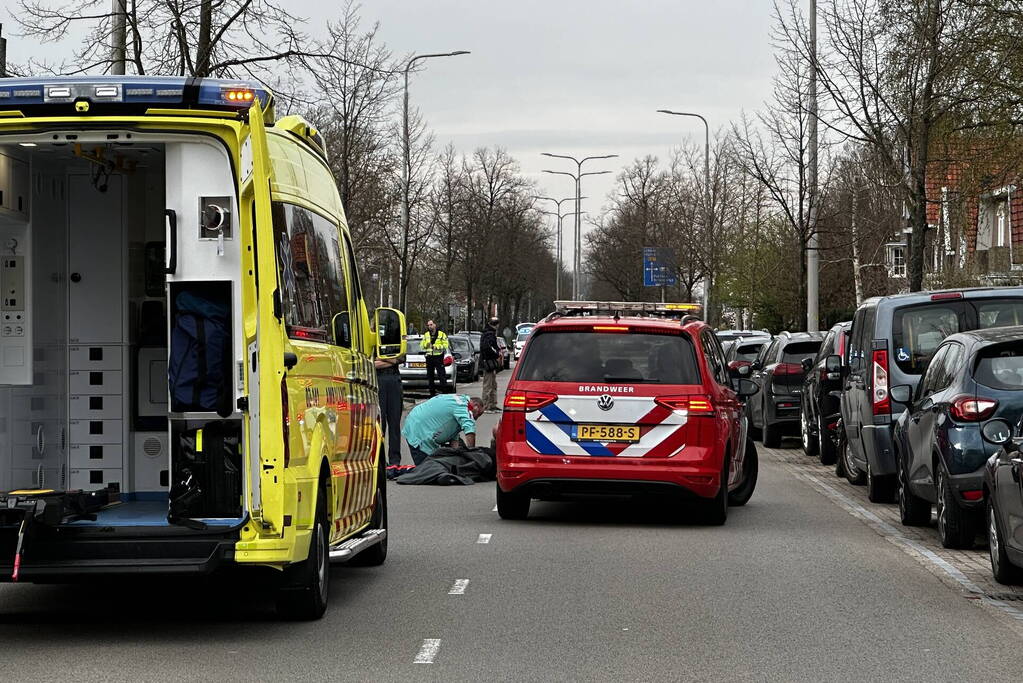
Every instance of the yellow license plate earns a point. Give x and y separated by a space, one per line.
417 365
618 433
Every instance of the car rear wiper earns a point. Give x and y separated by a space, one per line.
630 380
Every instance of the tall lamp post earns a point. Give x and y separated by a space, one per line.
406 172
706 184
559 216
577 237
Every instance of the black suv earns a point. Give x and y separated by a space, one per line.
779 371
818 415
891 342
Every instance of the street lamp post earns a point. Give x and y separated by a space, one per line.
559 216
706 183
577 176
406 172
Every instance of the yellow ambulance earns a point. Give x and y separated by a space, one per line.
186 354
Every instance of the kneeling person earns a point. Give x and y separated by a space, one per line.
438 422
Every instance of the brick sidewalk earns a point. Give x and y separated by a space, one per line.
966 571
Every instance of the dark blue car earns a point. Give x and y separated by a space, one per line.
940 451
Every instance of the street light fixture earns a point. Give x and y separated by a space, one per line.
406 172
706 184
559 215
577 237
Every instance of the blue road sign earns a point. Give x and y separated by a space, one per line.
658 267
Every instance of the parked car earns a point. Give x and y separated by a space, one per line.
1003 493
504 353
779 371
940 451
524 327
822 386
466 358
413 370
651 392
743 351
520 343
731 335
891 341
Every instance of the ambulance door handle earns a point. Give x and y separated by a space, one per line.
172 241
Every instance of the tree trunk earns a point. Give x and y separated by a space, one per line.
204 47
855 230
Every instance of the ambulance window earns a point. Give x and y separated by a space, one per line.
353 277
311 272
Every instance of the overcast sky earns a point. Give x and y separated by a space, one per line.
578 77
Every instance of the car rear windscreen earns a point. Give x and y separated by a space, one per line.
917 331
749 351
1001 366
796 352
565 356
460 345
413 347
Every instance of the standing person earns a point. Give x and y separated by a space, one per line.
438 422
435 345
490 357
389 380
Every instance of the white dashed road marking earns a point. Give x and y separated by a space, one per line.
484 538
459 587
427 651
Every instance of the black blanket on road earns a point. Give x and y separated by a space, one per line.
447 466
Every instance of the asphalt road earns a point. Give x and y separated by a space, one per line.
794 587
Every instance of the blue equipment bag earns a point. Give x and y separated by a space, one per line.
199 368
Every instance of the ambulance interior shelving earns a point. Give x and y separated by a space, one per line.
90 296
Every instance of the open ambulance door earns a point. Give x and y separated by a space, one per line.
264 359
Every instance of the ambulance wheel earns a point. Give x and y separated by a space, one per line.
512 505
375 555
307 584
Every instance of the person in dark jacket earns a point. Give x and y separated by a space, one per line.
490 358
389 381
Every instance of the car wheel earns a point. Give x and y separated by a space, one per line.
750 471
772 435
375 555
826 450
1002 567
880 489
809 441
716 509
853 473
303 596
751 429
913 510
955 525
512 505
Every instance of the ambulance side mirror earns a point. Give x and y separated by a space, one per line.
389 327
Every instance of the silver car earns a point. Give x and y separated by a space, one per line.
413 370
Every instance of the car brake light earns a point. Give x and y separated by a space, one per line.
448 360
975 494
879 388
286 420
694 404
527 401
788 369
972 409
610 328
946 295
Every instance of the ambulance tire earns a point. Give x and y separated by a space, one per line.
376 554
303 597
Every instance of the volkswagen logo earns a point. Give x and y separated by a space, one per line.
606 402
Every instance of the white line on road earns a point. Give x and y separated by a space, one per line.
484 538
427 651
495 509
459 587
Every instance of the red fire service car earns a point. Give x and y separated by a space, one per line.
624 398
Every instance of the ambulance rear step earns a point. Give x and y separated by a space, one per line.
353 546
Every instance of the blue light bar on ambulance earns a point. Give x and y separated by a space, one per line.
156 91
